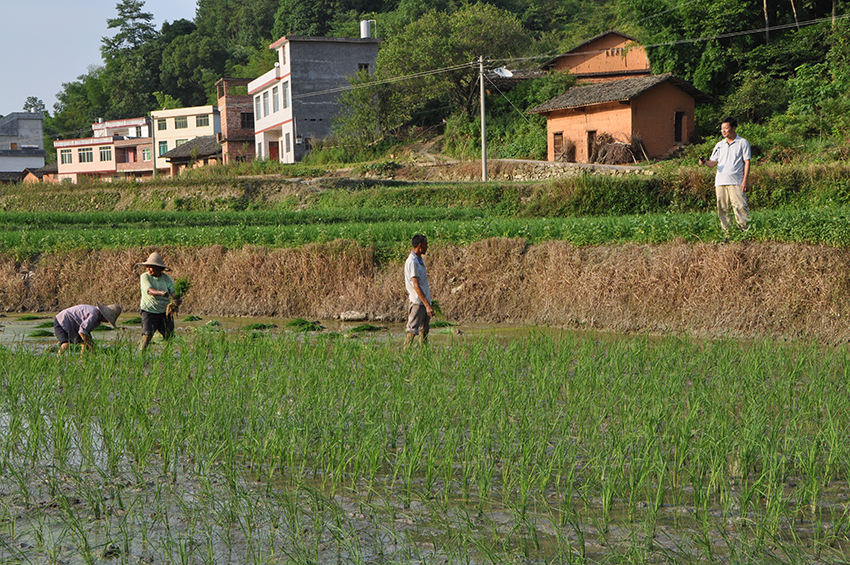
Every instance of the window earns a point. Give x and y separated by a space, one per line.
181 122
259 150
275 102
285 94
266 103
363 67
85 155
180 142
202 121
247 120
65 156
163 148
286 143
105 154
160 125
138 131
146 154
257 111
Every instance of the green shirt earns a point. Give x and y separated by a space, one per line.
155 304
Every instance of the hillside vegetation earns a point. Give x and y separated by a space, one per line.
787 84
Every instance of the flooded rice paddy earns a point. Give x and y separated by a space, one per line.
244 441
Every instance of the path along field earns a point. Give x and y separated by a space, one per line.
283 448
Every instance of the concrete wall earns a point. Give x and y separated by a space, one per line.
17 161
22 129
305 65
611 53
318 66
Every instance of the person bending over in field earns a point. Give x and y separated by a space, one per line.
75 324
157 290
419 308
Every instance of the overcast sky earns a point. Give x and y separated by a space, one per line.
44 43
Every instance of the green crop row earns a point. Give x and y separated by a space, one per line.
825 226
172 219
543 449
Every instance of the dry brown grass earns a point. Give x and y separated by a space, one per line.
740 289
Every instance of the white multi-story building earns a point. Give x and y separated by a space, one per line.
117 149
295 102
172 128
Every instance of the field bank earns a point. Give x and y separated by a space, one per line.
739 289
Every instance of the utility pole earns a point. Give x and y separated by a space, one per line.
483 122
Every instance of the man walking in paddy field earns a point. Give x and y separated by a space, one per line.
731 156
419 308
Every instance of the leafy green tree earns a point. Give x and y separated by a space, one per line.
79 104
190 67
236 23
251 62
134 28
434 58
34 104
820 104
321 17
132 57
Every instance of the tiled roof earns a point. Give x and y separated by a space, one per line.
550 62
614 91
203 146
9 176
50 168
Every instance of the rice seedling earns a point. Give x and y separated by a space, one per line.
259 326
365 328
535 448
43 325
189 318
302 325
29 318
41 333
134 321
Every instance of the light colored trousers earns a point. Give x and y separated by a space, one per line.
731 195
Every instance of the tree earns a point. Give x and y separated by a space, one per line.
190 67
132 58
34 104
433 58
134 28
79 105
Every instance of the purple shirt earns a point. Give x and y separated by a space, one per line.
80 319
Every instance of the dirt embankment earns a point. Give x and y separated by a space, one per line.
740 289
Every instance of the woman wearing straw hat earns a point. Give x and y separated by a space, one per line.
75 324
157 290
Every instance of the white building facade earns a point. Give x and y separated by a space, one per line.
172 128
295 102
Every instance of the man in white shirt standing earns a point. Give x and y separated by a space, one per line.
731 156
419 309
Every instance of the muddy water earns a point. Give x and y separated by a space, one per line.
174 511
19 329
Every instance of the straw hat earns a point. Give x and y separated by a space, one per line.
110 312
154 260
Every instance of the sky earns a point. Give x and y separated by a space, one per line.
45 43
